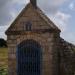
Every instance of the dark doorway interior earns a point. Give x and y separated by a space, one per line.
29 58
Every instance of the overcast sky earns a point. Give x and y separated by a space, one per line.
61 12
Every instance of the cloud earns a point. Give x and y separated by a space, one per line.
72 6
63 16
69 36
58 2
52 5
5 13
52 10
51 2
2 31
61 19
3 28
9 10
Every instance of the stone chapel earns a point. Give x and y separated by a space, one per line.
35 46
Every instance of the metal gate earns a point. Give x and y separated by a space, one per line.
29 58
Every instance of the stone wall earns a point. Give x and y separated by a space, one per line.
47 42
67 58
58 55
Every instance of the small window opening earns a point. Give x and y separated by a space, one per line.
28 26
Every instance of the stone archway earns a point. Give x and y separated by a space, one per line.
29 58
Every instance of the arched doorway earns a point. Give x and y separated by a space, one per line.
29 58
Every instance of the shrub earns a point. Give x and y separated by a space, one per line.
3 43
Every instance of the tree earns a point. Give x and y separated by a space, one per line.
3 43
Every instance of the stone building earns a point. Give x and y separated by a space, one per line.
35 46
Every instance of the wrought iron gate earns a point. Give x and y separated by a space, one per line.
29 58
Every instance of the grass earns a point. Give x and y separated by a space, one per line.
3 57
3 61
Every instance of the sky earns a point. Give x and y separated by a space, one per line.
61 12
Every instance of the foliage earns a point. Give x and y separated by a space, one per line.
3 43
3 71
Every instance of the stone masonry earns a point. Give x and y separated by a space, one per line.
58 55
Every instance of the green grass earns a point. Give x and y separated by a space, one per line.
3 57
3 61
